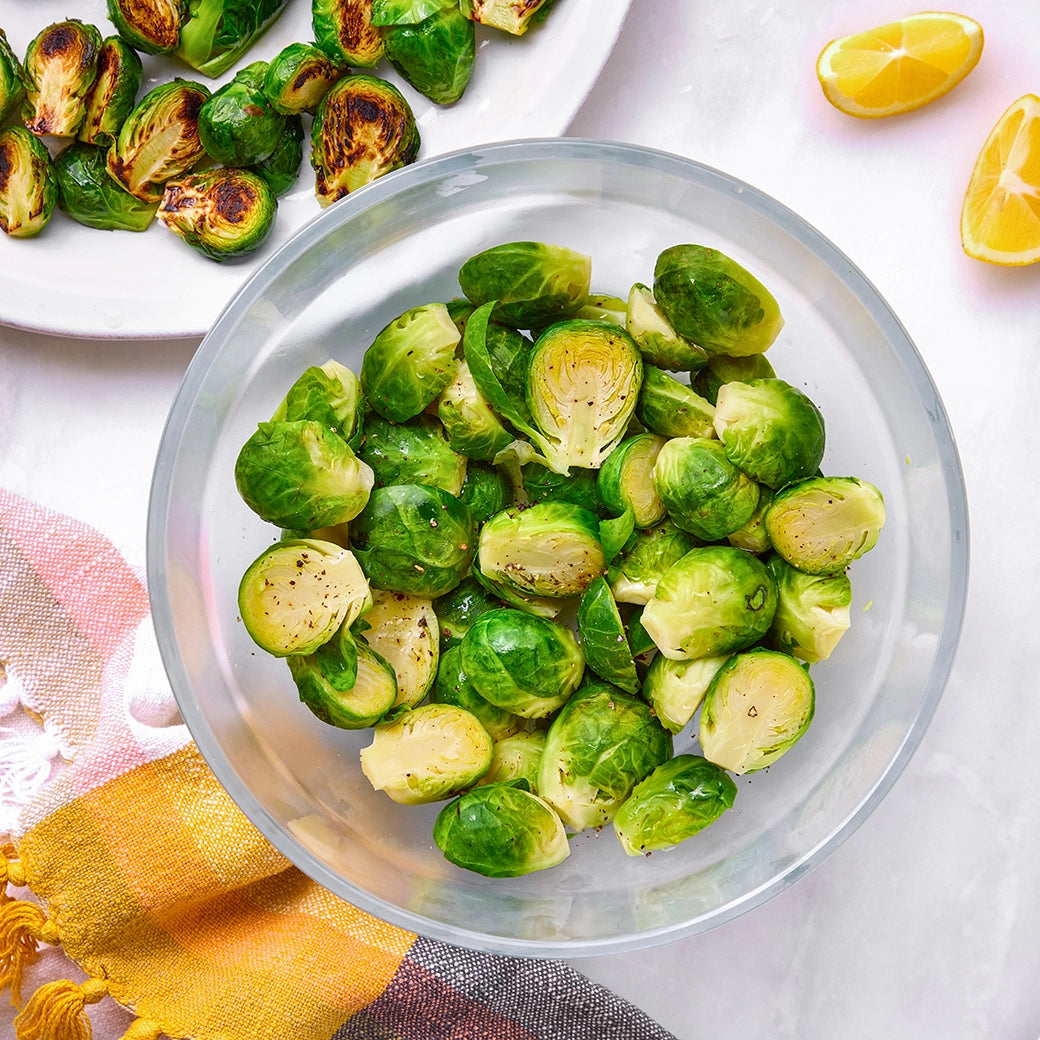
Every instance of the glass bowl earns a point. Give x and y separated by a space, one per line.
399 242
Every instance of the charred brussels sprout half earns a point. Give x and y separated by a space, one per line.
219 32
112 96
12 86
363 129
28 185
159 140
344 30
298 77
237 124
512 16
436 55
152 26
221 213
59 68
89 196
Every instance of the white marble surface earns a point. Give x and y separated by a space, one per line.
923 923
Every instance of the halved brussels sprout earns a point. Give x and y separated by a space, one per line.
603 640
281 169
675 689
582 387
516 757
301 475
414 538
512 16
221 213
676 801
298 77
822 524
713 301
458 609
329 394
472 427
758 706
159 140
219 32
705 493
12 84
411 360
634 574
523 663
90 197
659 343
113 93
671 408
426 754
412 452
436 55
151 26
238 126
501 830
550 549
626 479
452 686
531 283
362 129
599 746
486 490
28 186
714 600
721 368
402 629
59 68
813 611
296 594
344 30
753 536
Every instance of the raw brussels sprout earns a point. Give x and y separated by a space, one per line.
406 12
412 452
676 801
634 574
12 85
516 757
626 479
426 754
411 360
151 26
705 493
301 475
501 830
159 140
658 342
344 30
296 594
579 487
345 683
551 549
532 283
452 686
526 664
713 301
599 746
486 490
714 600
721 368
509 15
671 408
363 129
402 629
237 124
414 538
601 634
298 77
582 388
675 689
472 427
219 32
90 197
820 525
458 609
59 68
221 213
757 707
813 611
281 168
436 55
770 429
28 186
329 394
113 93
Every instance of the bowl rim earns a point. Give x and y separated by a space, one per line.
526 149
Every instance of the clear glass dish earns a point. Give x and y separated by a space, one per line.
399 242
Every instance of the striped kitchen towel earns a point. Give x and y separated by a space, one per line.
135 861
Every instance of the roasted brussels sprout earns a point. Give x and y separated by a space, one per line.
298 77
516 757
329 394
659 343
526 664
501 830
89 196
426 754
409 363
152 26
414 538
436 55
813 611
221 213
599 746
458 609
713 301
675 689
113 93
634 574
159 140
671 408
402 629
60 66
758 705
452 686
12 85
486 490
237 124
363 129
281 169
344 30
412 452
28 186
820 525
472 427
714 600
676 801
296 594
626 479
601 634
512 16
219 32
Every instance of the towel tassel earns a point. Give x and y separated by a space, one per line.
23 926
55 1011
11 872
143 1029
